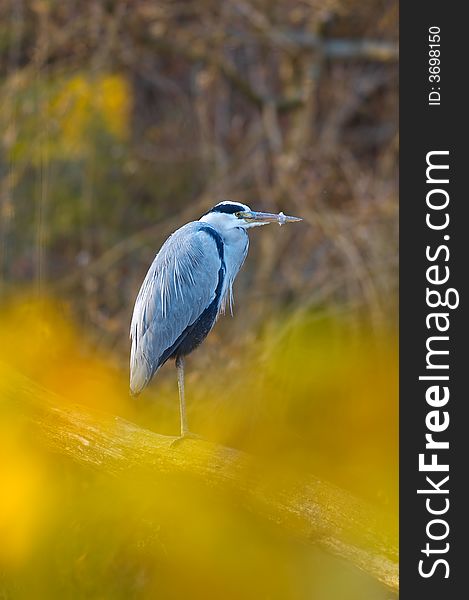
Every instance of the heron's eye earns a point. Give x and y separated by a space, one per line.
238 214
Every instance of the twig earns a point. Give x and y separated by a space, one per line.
291 40
195 53
341 48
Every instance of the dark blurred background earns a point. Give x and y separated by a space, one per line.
122 120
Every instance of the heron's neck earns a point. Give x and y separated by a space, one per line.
232 236
226 225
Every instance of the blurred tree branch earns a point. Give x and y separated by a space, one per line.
311 510
340 49
370 50
297 40
195 53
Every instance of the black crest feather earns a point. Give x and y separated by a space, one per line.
227 207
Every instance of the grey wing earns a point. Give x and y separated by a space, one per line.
180 284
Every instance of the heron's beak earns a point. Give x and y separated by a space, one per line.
263 218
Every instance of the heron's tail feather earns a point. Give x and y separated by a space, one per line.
140 372
137 382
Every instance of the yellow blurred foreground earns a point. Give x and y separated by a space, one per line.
94 507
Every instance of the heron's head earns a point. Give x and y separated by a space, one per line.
230 215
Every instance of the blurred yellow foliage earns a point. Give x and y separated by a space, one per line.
308 399
60 119
80 100
39 341
23 493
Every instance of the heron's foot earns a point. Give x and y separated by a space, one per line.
188 435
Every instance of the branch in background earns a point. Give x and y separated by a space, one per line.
294 41
195 53
311 510
371 50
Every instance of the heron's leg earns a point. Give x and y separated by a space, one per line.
182 400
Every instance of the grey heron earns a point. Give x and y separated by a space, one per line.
187 287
